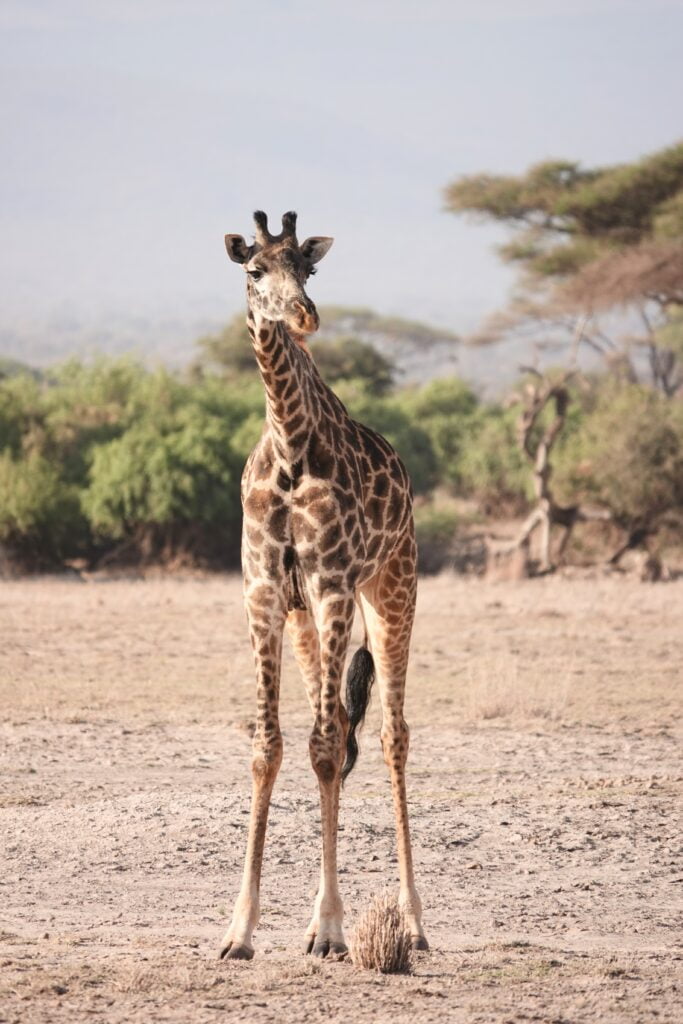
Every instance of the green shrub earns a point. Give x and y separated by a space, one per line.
87 405
627 455
168 483
40 519
99 453
434 531
353 359
447 396
493 469
387 416
444 410
21 414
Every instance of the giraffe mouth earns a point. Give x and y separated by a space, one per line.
303 320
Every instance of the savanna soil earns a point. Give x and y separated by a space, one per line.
544 778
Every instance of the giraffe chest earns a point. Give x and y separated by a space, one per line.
331 514
309 514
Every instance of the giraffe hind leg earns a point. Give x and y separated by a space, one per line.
320 640
388 604
323 936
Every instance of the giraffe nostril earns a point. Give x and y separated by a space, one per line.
304 316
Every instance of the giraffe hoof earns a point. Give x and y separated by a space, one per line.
325 947
338 949
419 942
236 951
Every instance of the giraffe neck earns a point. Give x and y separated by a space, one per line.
292 401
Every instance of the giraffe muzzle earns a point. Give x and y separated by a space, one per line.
305 319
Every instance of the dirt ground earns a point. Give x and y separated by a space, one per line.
544 778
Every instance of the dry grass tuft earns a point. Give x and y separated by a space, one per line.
496 688
381 941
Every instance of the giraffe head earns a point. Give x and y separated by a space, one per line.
277 269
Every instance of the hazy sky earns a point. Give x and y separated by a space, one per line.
137 132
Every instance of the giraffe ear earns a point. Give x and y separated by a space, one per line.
314 248
238 250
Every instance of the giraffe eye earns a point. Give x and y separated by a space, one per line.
255 275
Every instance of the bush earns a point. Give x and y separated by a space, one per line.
627 455
444 410
39 515
447 396
21 414
434 531
170 485
85 405
493 469
93 455
352 359
387 416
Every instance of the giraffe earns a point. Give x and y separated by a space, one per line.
327 524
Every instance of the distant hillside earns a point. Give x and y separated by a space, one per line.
420 351
43 341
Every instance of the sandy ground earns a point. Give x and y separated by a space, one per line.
545 776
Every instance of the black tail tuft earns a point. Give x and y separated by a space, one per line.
359 680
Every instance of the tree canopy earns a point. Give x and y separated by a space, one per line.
565 217
349 358
589 241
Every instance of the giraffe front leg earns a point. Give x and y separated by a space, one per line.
266 620
327 747
325 933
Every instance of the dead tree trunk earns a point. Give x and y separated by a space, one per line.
547 512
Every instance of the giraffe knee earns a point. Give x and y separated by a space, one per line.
326 747
326 770
266 758
395 737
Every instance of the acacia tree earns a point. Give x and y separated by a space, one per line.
589 243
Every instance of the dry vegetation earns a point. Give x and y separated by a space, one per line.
381 940
544 784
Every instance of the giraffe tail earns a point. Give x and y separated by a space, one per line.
359 680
